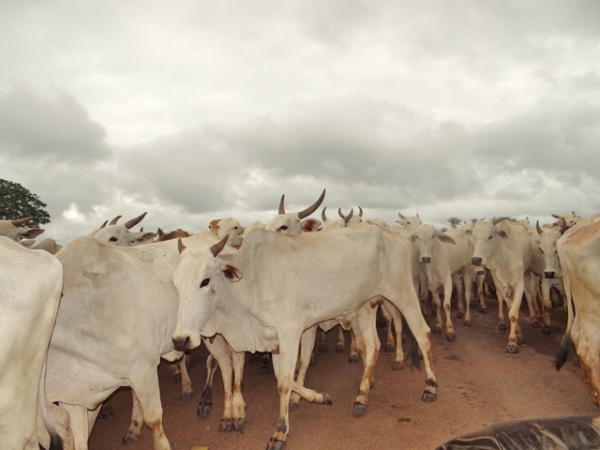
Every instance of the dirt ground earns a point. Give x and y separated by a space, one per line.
479 384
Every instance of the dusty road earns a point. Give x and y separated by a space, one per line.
479 383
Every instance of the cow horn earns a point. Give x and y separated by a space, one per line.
133 222
401 216
104 224
360 212
537 227
349 216
180 245
323 216
115 220
311 209
19 222
340 213
498 220
281 208
418 215
216 249
473 220
555 216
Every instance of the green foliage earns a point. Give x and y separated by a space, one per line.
444 229
17 202
455 222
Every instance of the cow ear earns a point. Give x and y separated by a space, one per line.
309 225
502 234
31 233
444 238
146 237
232 273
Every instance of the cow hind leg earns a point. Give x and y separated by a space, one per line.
307 342
354 356
398 327
134 432
340 345
390 344
78 418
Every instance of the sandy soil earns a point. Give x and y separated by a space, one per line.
479 384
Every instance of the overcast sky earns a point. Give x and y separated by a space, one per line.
195 110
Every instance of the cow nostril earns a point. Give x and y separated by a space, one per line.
425 259
476 260
549 274
181 344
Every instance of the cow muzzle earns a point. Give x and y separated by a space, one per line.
425 259
182 345
549 274
476 260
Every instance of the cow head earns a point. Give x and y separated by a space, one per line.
120 235
199 279
548 239
293 223
411 223
227 227
426 238
351 219
329 224
11 229
486 239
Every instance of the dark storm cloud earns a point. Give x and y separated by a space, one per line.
33 128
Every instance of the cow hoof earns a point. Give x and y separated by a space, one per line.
227 425
354 359
293 406
240 424
466 323
339 348
130 438
323 348
397 365
327 400
359 409
106 411
460 314
389 348
546 331
313 360
450 337
483 309
502 327
512 349
520 340
185 396
536 324
177 378
428 397
204 409
275 444
372 385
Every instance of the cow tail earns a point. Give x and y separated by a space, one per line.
563 351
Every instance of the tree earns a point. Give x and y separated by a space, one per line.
454 222
17 202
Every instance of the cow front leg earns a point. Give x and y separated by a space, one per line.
531 285
205 405
307 342
457 280
186 384
354 356
365 324
284 364
239 406
147 391
340 345
323 342
438 307
390 344
397 319
134 432
78 419
515 337
546 306
467 284
450 334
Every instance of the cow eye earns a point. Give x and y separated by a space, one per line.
283 227
113 239
235 228
205 282
490 237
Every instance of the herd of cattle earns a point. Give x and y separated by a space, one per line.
104 309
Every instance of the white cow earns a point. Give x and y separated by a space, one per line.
30 286
446 257
579 254
504 248
568 219
114 324
11 229
264 296
119 235
227 227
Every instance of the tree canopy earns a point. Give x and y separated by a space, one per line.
17 202
455 221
